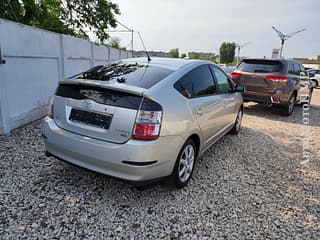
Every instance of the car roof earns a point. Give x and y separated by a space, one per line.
170 63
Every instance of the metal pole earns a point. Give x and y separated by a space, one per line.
132 42
282 43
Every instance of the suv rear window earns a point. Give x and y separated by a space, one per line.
260 66
134 74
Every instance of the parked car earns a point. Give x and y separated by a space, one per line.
314 75
228 69
279 82
140 120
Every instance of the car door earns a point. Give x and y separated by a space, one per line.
206 104
229 111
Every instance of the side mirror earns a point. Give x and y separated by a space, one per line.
240 88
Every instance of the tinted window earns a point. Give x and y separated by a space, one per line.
222 80
260 66
291 68
198 82
184 86
296 69
139 75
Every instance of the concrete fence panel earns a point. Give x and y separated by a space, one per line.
35 60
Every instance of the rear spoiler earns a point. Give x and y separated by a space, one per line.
114 86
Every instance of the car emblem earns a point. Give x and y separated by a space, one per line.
87 103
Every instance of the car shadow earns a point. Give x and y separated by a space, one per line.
311 116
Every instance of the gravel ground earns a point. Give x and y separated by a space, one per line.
256 185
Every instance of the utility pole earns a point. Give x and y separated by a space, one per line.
127 29
285 37
239 48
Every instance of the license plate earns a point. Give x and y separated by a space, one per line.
90 118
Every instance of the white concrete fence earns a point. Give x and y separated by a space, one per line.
33 61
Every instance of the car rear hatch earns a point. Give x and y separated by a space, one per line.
104 112
260 75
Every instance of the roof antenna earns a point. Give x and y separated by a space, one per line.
145 50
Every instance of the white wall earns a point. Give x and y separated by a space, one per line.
35 61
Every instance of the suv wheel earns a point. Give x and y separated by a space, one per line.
314 83
184 166
237 124
288 108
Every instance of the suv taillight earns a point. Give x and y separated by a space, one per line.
277 78
148 121
51 108
235 74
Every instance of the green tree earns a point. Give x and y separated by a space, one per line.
195 55
183 55
174 53
114 42
227 52
75 17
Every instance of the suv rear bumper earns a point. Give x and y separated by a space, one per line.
134 160
265 97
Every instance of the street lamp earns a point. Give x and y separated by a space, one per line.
285 37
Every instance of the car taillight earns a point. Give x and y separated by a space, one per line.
51 108
235 74
148 121
277 78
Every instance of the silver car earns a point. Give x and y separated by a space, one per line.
142 120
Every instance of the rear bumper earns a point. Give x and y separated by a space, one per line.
134 160
265 97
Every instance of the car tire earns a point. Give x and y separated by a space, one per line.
237 125
289 106
314 83
184 165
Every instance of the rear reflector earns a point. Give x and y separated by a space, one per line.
275 100
235 74
148 121
277 78
51 108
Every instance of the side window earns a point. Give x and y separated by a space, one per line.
184 86
296 69
222 80
291 68
197 82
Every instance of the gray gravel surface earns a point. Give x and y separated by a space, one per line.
256 185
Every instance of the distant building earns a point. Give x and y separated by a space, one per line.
201 55
311 62
275 53
151 53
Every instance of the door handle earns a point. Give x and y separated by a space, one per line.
199 113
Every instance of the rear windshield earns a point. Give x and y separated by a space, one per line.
260 66
99 95
134 74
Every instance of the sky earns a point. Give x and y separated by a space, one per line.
202 25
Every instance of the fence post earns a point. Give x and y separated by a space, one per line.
4 107
62 73
109 55
93 56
